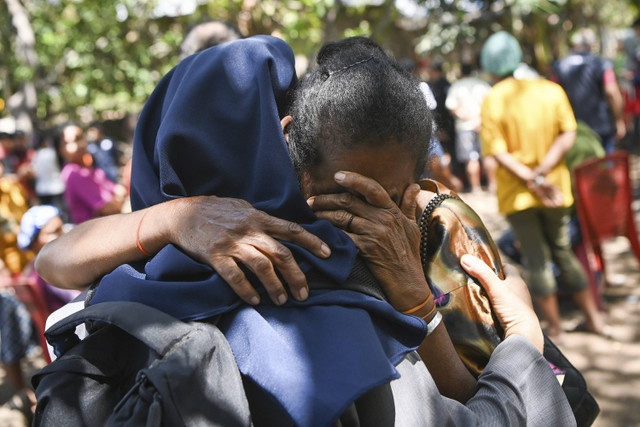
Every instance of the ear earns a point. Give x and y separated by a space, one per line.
286 121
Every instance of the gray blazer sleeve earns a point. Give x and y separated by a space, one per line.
517 388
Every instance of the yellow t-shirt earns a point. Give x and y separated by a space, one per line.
524 117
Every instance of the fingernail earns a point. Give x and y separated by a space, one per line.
254 301
311 200
339 176
282 298
303 294
466 260
325 250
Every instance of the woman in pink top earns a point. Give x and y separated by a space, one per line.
89 193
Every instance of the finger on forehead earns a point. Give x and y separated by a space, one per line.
368 188
409 201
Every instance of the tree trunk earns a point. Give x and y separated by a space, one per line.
22 104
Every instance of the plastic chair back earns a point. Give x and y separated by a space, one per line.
603 200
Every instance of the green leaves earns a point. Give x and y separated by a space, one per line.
105 57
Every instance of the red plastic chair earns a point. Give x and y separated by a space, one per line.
604 194
29 293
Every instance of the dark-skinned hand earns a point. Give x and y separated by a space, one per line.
225 232
386 234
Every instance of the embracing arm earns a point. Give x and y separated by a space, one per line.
90 250
221 232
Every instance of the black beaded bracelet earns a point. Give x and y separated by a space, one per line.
423 223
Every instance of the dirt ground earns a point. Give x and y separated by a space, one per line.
611 364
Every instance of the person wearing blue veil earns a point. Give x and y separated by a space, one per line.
213 131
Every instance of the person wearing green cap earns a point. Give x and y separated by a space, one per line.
528 126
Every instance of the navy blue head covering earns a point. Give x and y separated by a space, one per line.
212 127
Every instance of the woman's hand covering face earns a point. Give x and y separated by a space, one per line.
223 232
386 234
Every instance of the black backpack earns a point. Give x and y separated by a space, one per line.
139 366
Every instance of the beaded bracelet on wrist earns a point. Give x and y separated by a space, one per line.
423 223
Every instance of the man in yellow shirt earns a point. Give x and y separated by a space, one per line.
527 126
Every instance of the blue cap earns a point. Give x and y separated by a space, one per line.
501 54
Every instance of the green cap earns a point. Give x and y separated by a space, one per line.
501 54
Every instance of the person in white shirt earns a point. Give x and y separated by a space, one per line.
464 100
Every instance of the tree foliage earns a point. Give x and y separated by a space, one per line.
101 59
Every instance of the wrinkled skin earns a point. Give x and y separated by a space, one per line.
223 232
386 234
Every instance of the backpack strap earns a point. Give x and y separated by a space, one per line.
156 329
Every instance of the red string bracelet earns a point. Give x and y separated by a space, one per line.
138 235
414 309
419 311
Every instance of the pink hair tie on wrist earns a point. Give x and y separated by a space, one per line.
138 243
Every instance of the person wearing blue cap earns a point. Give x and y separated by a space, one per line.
528 126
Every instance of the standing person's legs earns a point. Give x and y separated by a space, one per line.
490 166
473 173
528 227
557 225
468 152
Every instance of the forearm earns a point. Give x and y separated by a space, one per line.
437 351
520 170
555 155
445 366
614 98
96 247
